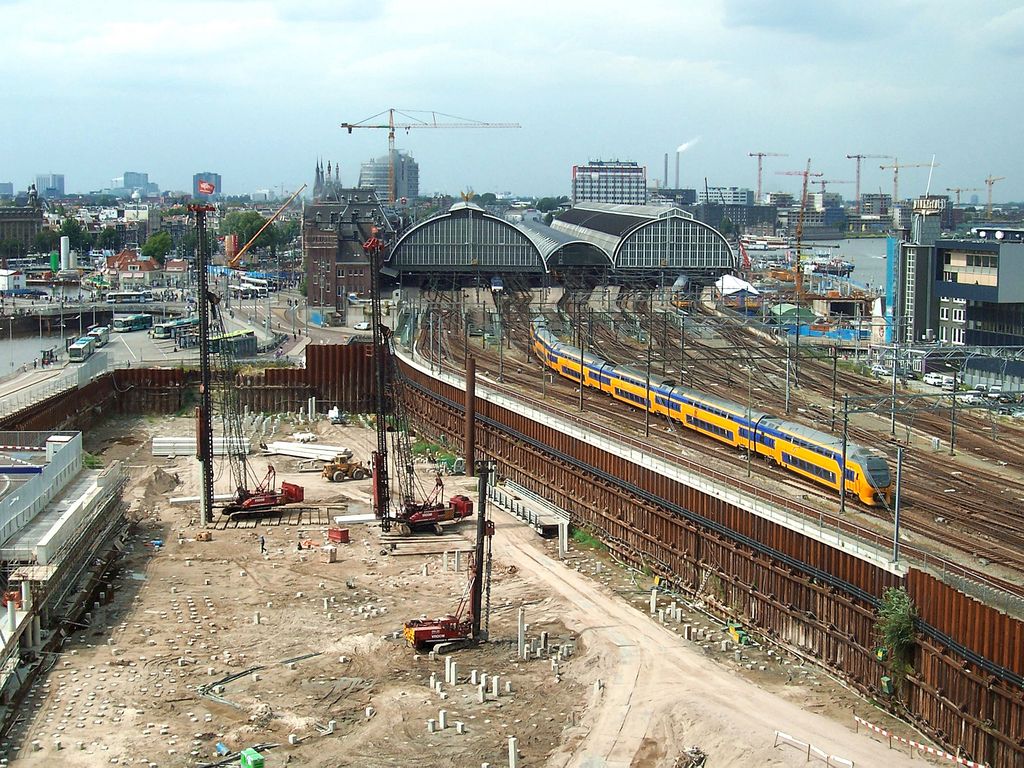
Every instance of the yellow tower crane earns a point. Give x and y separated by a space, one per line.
415 122
988 183
958 190
895 168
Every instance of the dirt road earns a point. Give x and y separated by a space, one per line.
661 694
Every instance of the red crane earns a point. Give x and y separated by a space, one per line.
858 158
760 160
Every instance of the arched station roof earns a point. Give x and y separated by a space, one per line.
646 237
465 239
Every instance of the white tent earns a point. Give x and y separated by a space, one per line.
730 284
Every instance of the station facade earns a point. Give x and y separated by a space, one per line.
626 242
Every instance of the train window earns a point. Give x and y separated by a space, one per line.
570 372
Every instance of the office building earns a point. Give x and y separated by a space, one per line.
726 196
875 204
6 189
50 184
373 174
206 185
980 288
617 182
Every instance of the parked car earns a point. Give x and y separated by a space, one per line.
935 379
362 326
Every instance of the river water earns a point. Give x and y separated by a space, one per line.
866 254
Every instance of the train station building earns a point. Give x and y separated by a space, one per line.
617 243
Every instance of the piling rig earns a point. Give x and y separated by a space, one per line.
418 510
218 365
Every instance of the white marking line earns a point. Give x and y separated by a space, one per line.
134 356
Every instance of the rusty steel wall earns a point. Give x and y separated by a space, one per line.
797 590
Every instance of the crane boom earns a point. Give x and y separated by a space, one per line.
858 158
233 263
895 168
989 182
760 160
391 126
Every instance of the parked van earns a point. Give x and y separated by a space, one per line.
935 379
948 383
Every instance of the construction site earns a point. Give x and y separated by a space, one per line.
463 543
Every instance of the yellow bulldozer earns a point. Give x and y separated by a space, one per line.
342 468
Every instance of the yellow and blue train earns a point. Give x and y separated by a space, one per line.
802 450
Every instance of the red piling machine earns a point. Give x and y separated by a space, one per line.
412 515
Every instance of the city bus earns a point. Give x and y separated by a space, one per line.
82 349
243 291
129 297
261 286
101 334
125 323
172 329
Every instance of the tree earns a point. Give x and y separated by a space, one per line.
107 239
245 224
46 240
487 198
726 226
11 249
895 627
157 246
77 236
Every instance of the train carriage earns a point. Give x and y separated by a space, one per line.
802 450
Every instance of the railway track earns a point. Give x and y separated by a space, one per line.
970 522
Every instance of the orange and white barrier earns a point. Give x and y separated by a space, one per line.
892 737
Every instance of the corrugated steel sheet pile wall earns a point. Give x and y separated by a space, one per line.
795 589
336 375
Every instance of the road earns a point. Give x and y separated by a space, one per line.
662 694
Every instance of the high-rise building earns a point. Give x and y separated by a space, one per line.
50 184
613 181
726 196
206 184
373 174
6 189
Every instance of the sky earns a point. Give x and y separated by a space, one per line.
257 90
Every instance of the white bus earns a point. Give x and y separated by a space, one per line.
82 349
261 286
101 334
129 297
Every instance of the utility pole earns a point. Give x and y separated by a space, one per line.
896 505
647 409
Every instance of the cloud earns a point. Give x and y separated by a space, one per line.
838 20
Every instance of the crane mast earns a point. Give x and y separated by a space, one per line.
858 158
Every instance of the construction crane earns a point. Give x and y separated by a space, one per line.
858 158
958 190
823 182
237 258
415 122
988 183
760 160
895 167
799 277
